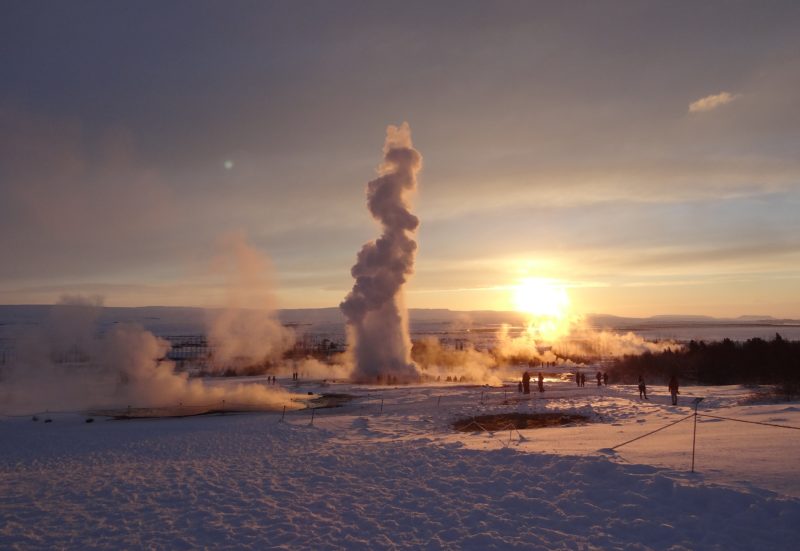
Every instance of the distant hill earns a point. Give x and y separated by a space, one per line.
169 320
680 318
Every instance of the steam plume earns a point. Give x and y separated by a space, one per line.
375 308
246 333
71 363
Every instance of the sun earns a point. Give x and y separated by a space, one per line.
541 298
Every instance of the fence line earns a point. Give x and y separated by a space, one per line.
750 422
654 431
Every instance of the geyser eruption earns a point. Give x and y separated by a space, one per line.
375 308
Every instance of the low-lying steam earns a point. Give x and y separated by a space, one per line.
375 309
72 363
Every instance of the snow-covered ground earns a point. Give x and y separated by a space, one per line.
387 471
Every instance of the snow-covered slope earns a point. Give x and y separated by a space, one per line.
387 472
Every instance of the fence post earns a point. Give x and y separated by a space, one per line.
694 433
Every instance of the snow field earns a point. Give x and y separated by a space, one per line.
358 479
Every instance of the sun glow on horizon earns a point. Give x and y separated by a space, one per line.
542 298
547 305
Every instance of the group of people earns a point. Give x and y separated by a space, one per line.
673 386
580 378
524 385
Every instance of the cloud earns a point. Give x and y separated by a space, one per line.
713 101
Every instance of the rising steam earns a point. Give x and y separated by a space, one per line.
375 308
246 333
513 349
71 362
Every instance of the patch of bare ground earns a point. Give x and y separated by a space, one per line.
519 421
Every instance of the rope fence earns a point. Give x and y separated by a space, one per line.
694 416
652 432
750 422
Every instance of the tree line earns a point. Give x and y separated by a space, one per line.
754 361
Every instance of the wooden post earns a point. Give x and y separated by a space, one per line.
694 433
312 415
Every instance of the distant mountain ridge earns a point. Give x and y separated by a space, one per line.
172 319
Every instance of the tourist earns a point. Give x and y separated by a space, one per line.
673 389
605 378
577 378
541 382
526 383
599 378
642 388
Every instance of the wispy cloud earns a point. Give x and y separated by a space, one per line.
711 102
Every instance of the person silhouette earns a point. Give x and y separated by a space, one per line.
673 389
526 383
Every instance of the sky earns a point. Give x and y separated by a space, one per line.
643 154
